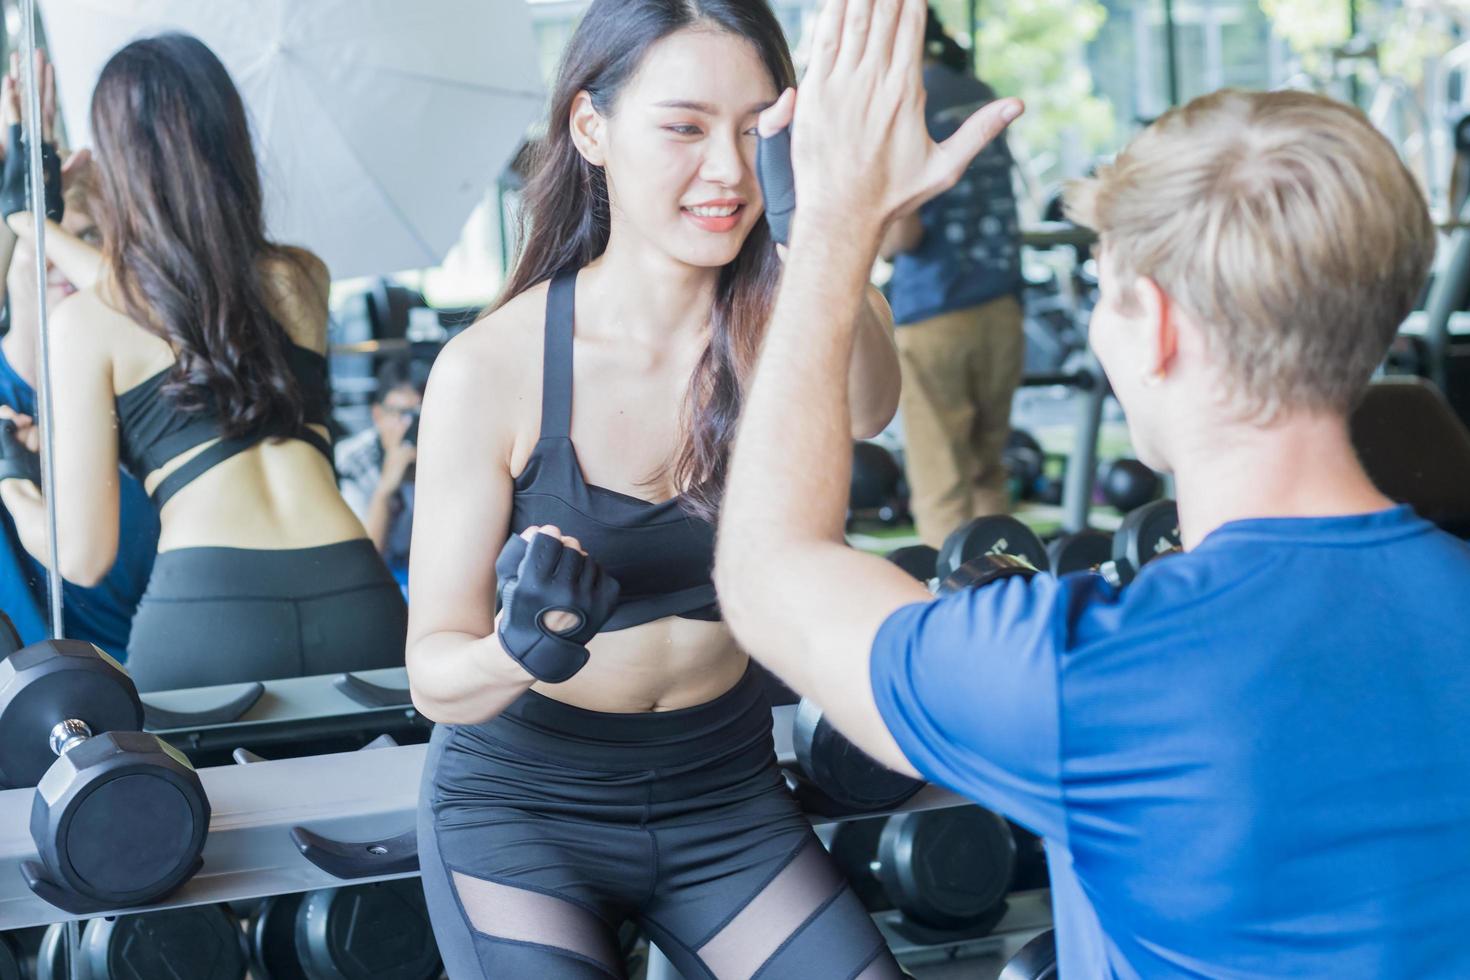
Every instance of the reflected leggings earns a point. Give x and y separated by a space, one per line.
226 615
544 829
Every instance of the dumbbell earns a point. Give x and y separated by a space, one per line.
1025 462
1082 551
201 942
997 534
1147 533
380 930
947 870
875 481
119 817
919 560
1127 484
10 968
16 461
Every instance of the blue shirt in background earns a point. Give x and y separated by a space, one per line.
971 249
102 615
1253 762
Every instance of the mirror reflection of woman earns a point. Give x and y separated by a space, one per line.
103 613
595 405
197 359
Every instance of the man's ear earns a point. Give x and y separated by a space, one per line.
589 130
1160 321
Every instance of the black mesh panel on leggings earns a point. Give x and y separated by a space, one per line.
526 917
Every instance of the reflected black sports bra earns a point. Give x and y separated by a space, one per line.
152 431
662 557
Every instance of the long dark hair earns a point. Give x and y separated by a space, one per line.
183 230
565 221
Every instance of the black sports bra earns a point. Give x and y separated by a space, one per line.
662 557
152 431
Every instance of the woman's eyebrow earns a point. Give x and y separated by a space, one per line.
708 109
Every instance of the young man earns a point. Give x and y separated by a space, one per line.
374 466
1255 760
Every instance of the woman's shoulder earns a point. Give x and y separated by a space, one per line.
504 341
298 285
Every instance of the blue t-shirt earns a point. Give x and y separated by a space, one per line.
102 615
1253 762
971 249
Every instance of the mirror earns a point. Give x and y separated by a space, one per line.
248 517
31 593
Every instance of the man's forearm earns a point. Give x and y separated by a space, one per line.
788 484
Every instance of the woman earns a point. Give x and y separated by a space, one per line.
197 358
596 404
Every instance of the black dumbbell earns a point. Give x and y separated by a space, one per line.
201 942
948 869
875 481
1025 461
997 534
836 777
380 930
919 560
119 816
1127 484
10 968
1147 533
1080 552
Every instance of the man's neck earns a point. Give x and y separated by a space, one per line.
1301 466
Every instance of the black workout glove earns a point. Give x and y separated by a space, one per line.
13 187
544 576
778 183
16 461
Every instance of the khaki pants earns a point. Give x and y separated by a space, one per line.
960 370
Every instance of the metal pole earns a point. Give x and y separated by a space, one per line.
36 181
1082 467
1171 54
1355 92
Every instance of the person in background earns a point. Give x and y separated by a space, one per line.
102 614
956 279
375 467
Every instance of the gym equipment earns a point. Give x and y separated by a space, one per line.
1145 534
367 932
1025 461
874 488
16 461
1037 960
841 778
52 958
919 560
997 534
1079 552
1429 470
9 960
201 942
854 849
1128 484
948 869
272 939
69 720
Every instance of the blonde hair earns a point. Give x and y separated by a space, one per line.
1285 224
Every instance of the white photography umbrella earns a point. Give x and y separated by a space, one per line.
379 124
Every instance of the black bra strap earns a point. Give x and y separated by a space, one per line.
556 365
217 454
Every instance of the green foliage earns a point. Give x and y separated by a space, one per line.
1035 49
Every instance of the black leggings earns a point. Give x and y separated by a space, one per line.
544 829
226 615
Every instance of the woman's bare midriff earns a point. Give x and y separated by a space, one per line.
660 666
